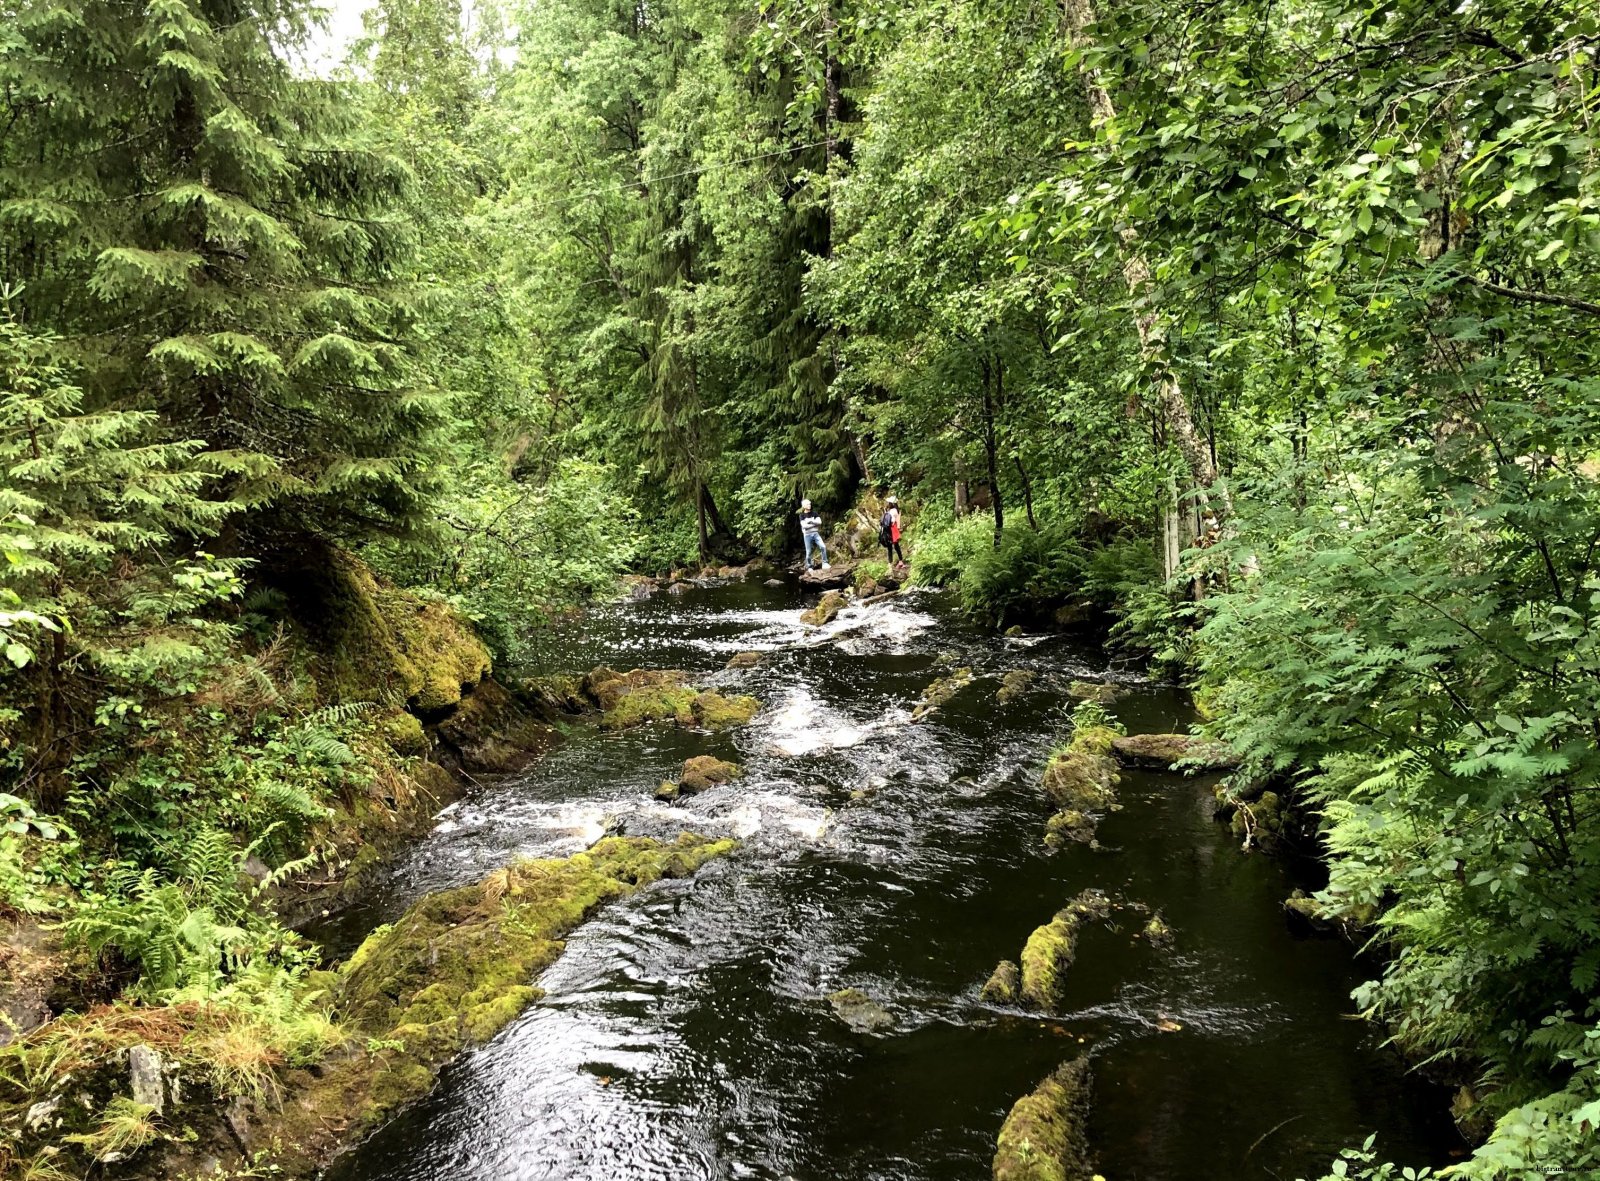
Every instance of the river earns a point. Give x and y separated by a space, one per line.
686 1033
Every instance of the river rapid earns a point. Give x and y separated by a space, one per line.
686 1032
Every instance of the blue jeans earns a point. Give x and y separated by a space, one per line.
815 539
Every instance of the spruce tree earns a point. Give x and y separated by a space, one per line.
210 240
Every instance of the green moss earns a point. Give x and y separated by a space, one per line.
941 691
460 964
1003 985
1051 949
1095 691
655 703
831 603
1161 751
1045 1138
1069 826
652 695
1260 824
403 732
1046 957
703 772
1158 932
379 641
1081 777
1014 684
713 711
859 1011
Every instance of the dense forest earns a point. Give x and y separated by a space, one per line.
1263 334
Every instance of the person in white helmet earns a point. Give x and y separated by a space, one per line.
889 532
811 530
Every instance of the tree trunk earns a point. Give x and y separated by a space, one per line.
991 447
1027 490
1136 273
700 513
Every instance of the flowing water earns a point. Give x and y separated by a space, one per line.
686 1033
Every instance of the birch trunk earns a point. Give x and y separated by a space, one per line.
1136 273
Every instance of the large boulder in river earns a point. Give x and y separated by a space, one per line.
859 1011
1161 751
839 575
1045 1137
827 607
649 695
1014 684
1095 691
703 772
1051 949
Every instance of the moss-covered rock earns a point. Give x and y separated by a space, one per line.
1161 751
492 732
1080 780
703 772
653 695
713 711
745 659
1014 684
453 971
1095 691
1069 827
1051 949
831 603
1046 957
939 693
375 641
1045 1137
1260 824
1004 984
1157 932
859 1011
403 732
1082 776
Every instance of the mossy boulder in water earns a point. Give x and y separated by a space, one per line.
1157 932
745 660
703 772
1095 691
831 603
1161 751
1051 949
859 1011
1045 1137
1260 825
1004 984
940 692
652 695
1080 780
1082 776
1014 684
1069 826
713 711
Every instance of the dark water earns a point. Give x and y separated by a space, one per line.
685 1033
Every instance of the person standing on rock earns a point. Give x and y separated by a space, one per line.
889 532
811 530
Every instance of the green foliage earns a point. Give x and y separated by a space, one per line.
213 241
945 547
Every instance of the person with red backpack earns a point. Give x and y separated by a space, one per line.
889 532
